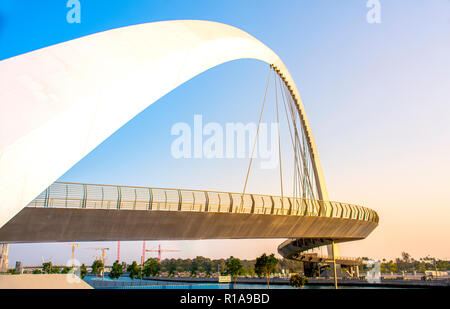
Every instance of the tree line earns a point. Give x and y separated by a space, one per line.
406 263
206 267
263 266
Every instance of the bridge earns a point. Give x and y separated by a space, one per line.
60 102
87 212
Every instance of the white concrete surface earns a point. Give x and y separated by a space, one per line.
53 281
60 102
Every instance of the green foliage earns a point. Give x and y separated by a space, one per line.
194 269
406 257
180 269
265 266
83 271
151 267
421 268
135 270
56 270
97 267
12 272
222 267
298 281
201 269
234 268
116 271
171 271
291 265
208 271
66 270
202 264
48 268
406 263
250 271
37 272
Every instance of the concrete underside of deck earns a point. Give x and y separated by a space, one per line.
60 224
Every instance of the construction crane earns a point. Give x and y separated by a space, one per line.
160 251
43 260
143 252
118 251
73 249
103 252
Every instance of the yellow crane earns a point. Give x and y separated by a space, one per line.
73 248
103 257
103 253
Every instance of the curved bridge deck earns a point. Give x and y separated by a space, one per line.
83 212
326 259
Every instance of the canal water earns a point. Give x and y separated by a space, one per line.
127 283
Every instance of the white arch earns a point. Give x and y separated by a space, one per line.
58 103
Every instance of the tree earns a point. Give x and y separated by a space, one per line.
194 269
222 266
135 270
265 266
116 271
56 270
180 269
83 271
66 270
421 268
250 271
383 268
48 268
151 267
97 267
234 268
208 271
393 267
201 269
298 281
171 271
37 272
163 269
405 257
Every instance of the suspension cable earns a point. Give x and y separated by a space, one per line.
302 151
299 151
296 163
256 138
304 175
279 142
298 186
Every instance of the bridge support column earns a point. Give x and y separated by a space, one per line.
310 269
334 265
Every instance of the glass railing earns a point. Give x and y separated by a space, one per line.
93 196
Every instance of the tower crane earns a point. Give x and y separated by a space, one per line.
160 251
118 251
103 252
73 249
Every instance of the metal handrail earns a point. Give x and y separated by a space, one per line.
327 257
94 196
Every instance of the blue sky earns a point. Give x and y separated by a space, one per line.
377 97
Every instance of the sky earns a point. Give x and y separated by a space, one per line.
376 94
